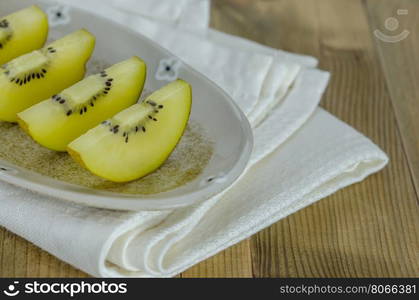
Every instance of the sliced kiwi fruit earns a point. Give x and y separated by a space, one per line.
55 122
22 32
139 139
36 76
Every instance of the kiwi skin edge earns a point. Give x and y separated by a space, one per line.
24 126
183 131
77 157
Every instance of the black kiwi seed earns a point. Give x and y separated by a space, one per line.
81 111
154 119
152 103
105 92
108 83
69 112
92 104
143 128
107 89
33 76
115 129
161 106
44 71
136 128
126 139
150 117
62 101
125 134
42 75
38 76
85 109
110 79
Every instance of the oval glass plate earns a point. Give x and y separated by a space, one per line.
210 157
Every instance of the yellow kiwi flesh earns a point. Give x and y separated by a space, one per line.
22 32
139 139
36 76
55 122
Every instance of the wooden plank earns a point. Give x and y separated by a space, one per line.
386 203
20 258
7 253
400 66
234 262
371 228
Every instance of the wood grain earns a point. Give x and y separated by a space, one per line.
400 65
368 229
234 262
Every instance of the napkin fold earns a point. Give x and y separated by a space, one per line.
301 155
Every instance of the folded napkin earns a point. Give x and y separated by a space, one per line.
301 155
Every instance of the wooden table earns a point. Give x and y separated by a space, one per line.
368 229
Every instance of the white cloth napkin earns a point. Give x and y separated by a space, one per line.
301 155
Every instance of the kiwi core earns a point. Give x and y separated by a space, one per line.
134 119
3 35
133 116
83 91
28 63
